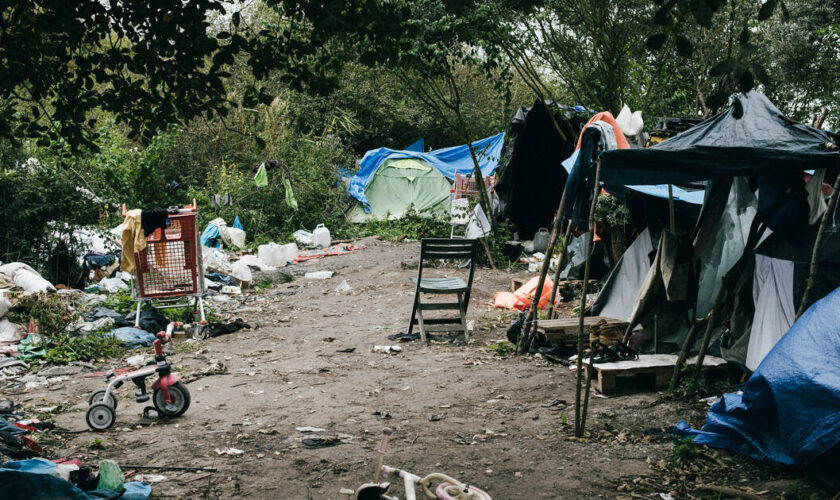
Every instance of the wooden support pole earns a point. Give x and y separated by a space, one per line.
686 348
671 215
815 253
589 371
559 269
590 241
529 326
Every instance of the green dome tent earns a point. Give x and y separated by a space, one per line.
403 184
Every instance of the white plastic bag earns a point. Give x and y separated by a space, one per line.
11 333
32 282
240 271
303 237
237 237
272 255
112 285
5 305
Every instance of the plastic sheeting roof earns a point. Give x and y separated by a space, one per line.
761 142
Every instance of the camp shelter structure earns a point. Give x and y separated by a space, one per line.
753 160
391 182
531 180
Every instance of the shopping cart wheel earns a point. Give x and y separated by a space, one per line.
99 395
201 332
100 416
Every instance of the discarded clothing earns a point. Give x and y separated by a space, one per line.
789 411
340 249
150 220
133 239
37 478
95 261
131 337
217 329
151 321
103 312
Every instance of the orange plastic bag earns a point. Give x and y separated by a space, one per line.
521 299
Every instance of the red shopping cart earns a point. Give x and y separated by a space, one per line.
169 269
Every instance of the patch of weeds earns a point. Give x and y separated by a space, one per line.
412 225
502 348
51 312
185 347
120 302
684 452
693 384
58 409
793 491
65 348
96 444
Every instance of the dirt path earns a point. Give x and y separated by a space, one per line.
495 429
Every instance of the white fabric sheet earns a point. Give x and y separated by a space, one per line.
774 310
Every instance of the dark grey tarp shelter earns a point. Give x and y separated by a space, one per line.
531 180
761 142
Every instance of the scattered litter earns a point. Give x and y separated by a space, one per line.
319 275
229 451
666 496
346 491
347 350
231 290
341 249
437 417
404 337
112 285
136 360
492 401
315 443
308 429
151 478
344 287
382 415
386 349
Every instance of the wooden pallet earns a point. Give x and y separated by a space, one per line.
656 368
564 331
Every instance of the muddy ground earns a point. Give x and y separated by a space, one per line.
495 425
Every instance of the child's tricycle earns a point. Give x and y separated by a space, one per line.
169 396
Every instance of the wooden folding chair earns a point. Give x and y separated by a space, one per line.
443 249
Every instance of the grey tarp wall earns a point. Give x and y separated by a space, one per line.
624 282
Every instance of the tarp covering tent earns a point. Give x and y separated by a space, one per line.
447 161
761 142
398 185
531 180
789 411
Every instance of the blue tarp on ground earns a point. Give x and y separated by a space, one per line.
789 412
132 337
448 161
26 479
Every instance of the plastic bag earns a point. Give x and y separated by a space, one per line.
240 271
112 285
237 237
110 476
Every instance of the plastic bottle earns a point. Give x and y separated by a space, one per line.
541 240
321 236
290 252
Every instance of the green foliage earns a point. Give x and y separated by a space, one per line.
66 348
412 226
51 312
684 451
612 211
120 302
502 348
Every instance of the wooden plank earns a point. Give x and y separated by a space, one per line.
660 366
651 362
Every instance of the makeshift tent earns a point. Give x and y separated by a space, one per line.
789 410
530 182
418 145
400 185
724 150
445 161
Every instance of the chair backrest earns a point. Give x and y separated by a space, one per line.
447 249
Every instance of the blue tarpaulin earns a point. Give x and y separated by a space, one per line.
789 411
657 190
417 145
132 337
448 161
25 479
210 236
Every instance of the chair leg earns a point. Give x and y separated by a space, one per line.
420 322
413 312
463 312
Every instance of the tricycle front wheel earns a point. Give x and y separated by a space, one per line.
180 400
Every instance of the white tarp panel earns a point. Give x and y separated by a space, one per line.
625 281
774 309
